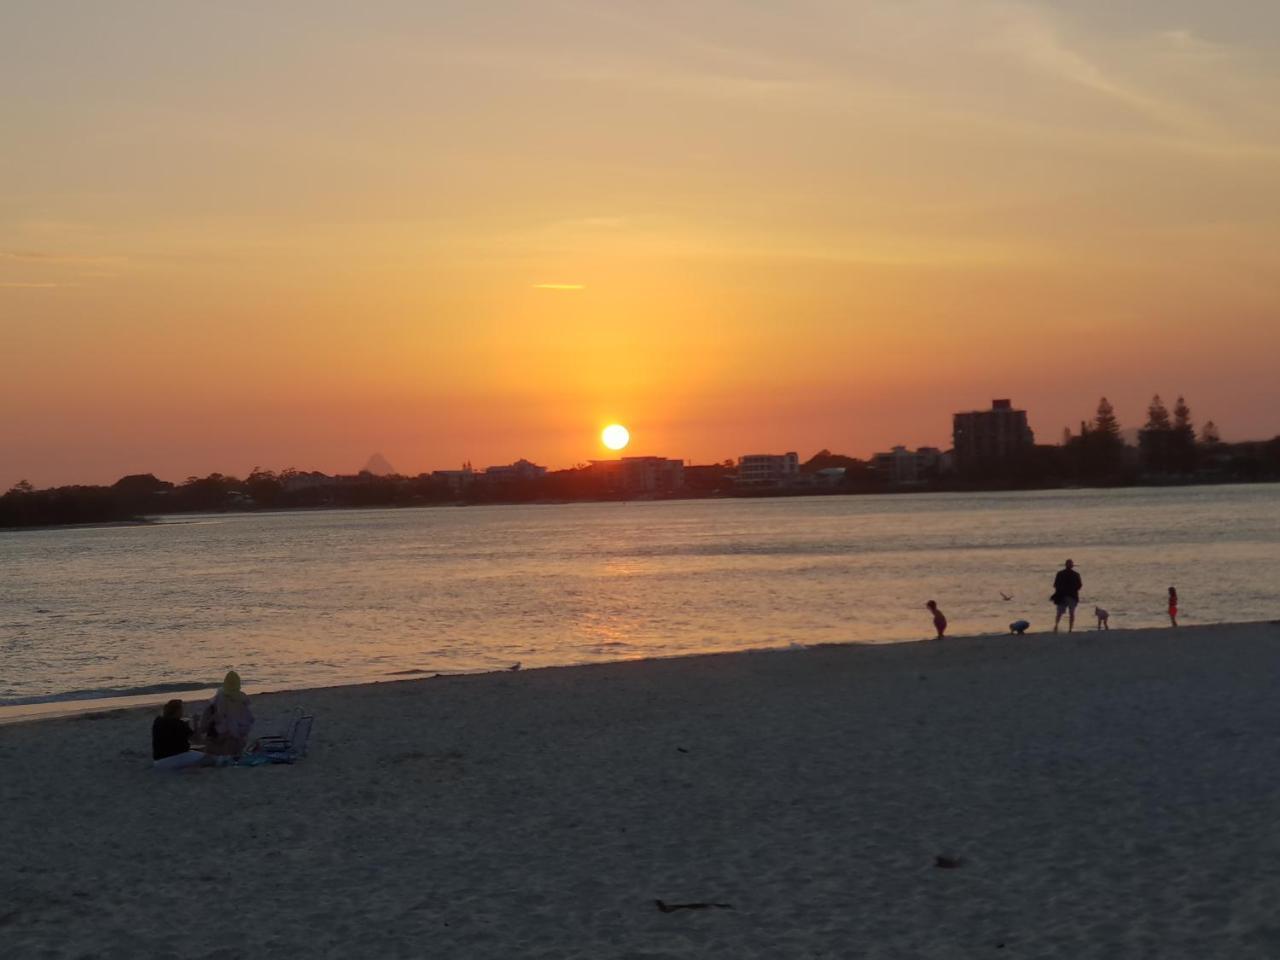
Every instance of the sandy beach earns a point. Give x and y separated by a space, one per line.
1105 794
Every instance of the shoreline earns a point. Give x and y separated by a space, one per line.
147 521
79 708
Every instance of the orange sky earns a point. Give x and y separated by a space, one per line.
298 234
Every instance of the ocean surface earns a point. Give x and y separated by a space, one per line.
314 598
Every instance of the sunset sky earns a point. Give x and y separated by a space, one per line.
297 233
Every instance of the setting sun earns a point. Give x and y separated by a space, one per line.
615 436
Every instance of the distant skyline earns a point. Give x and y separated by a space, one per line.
297 234
376 462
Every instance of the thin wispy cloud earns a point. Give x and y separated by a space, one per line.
705 84
605 222
559 286
26 285
1189 44
40 256
633 72
1038 41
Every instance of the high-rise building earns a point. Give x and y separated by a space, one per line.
991 439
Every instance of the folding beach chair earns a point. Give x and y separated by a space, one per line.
287 747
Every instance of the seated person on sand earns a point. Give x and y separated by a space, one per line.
227 719
171 740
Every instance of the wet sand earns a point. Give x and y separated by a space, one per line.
1105 794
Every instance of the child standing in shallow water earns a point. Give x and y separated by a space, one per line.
939 621
1173 607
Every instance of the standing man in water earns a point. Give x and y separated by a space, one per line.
1066 594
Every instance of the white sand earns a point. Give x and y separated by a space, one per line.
1111 795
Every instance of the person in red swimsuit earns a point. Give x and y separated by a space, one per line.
1173 606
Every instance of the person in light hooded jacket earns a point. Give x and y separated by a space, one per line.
227 719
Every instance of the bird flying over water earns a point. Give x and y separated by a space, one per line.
1005 596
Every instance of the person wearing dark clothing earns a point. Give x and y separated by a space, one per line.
1066 595
170 734
171 740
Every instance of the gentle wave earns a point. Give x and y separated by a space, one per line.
107 693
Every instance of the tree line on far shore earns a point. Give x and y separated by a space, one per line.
1168 451
1165 446
1168 447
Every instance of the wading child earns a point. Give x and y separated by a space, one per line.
939 621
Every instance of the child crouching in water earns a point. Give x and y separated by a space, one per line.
939 621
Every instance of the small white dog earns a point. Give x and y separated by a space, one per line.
1104 618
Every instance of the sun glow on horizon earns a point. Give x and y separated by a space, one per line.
615 436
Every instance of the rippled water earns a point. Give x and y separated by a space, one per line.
325 597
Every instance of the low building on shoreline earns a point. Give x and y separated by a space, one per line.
901 467
307 480
456 480
765 471
520 471
639 475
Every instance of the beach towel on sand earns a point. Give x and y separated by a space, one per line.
257 760
287 747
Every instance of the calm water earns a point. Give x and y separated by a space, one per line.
326 597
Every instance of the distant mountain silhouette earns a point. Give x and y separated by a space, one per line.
378 466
